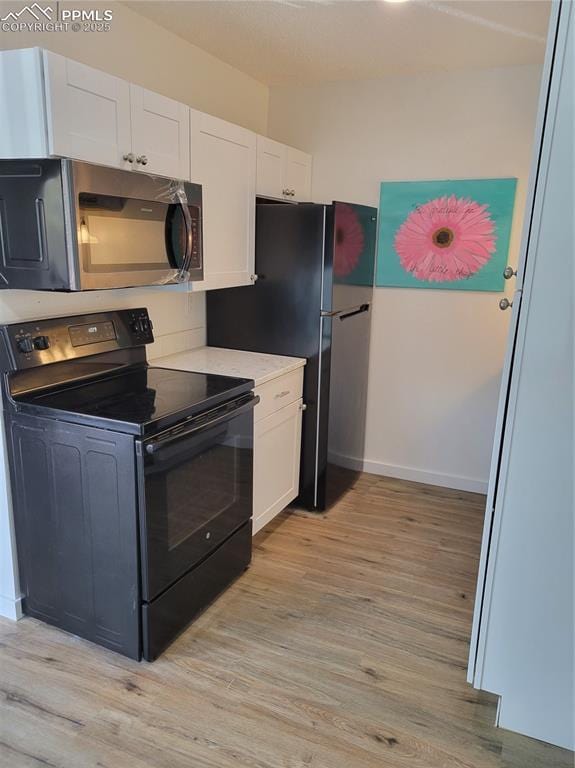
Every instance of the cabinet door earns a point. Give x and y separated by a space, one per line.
160 134
22 97
270 168
297 177
88 112
277 441
223 161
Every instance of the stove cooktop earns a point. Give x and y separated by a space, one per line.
141 400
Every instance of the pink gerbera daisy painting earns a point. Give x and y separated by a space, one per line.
445 234
445 239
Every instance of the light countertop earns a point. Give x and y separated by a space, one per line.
232 362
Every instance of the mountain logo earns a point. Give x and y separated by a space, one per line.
37 11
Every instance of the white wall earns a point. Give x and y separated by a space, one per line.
142 52
148 55
436 356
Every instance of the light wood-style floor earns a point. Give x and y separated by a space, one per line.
344 646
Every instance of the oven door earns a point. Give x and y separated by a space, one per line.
195 490
131 228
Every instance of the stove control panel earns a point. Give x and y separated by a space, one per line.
92 333
141 326
29 345
28 342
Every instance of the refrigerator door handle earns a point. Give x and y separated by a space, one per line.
358 311
344 313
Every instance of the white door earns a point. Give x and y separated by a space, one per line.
223 161
298 174
270 168
88 112
277 442
160 134
522 645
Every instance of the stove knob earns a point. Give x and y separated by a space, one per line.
41 342
25 344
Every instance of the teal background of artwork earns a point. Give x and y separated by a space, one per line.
399 198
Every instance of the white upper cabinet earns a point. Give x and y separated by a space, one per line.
22 98
298 174
88 112
270 171
160 134
223 161
63 108
282 172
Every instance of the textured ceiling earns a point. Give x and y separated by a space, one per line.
311 41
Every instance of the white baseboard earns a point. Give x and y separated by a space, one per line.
11 608
456 482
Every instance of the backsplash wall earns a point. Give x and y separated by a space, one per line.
179 317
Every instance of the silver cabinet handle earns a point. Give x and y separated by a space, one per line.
142 159
282 394
303 407
129 157
505 304
509 272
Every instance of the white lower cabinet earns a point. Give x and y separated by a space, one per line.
277 441
277 446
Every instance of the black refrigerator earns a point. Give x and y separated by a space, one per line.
313 299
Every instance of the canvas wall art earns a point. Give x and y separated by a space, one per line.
445 234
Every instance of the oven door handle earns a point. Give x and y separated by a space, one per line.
240 406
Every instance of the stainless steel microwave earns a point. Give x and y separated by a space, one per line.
72 226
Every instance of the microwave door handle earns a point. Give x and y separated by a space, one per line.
183 201
156 445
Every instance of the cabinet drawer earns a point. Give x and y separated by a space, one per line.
278 393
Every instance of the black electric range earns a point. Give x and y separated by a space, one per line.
131 484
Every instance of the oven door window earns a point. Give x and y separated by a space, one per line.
119 234
197 491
